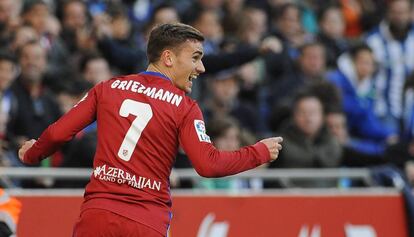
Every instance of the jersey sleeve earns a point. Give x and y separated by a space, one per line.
211 162
63 130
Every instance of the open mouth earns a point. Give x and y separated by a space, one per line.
192 77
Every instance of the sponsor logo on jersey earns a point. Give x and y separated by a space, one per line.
120 176
201 131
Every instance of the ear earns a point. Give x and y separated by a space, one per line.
167 58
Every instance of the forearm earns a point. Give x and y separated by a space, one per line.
46 145
210 162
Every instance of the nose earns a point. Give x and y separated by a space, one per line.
200 67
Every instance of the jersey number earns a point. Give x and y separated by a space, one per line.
143 113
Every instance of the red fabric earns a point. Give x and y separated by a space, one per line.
102 223
139 188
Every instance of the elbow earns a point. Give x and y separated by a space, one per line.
206 172
55 136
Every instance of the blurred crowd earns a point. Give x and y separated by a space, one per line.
335 78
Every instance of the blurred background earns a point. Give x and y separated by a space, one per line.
335 78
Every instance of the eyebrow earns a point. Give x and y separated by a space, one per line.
199 52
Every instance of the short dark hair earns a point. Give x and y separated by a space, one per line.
7 56
30 4
170 36
303 94
358 47
219 125
310 44
32 42
87 57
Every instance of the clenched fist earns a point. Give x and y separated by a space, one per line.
274 146
26 146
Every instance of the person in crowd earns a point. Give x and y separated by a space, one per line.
94 68
392 44
36 107
355 80
9 21
331 33
357 152
37 14
8 73
307 141
119 41
223 100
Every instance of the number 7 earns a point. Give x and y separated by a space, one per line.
143 112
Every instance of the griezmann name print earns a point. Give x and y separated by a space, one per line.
154 93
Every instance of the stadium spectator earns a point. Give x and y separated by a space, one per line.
36 13
352 11
392 43
357 152
144 146
118 41
75 22
253 26
94 68
8 73
36 107
355 79
21 36
308 144
402 153
223 100
307 141
331 33
286 25
165 13
208 23
8 18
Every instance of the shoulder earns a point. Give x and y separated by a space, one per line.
335 76
375 32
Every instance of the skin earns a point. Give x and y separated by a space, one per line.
74 15
33 62
399 14
364 64
181 66
166 15
229 141
312 61
7 74
97 70
308 116
333 23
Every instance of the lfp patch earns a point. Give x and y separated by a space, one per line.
201 131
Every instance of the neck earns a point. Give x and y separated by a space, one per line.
399 32
34 88
156 68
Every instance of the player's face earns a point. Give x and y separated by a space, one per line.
187 65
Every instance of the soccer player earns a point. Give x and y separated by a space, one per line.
142 120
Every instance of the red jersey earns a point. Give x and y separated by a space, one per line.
142 120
